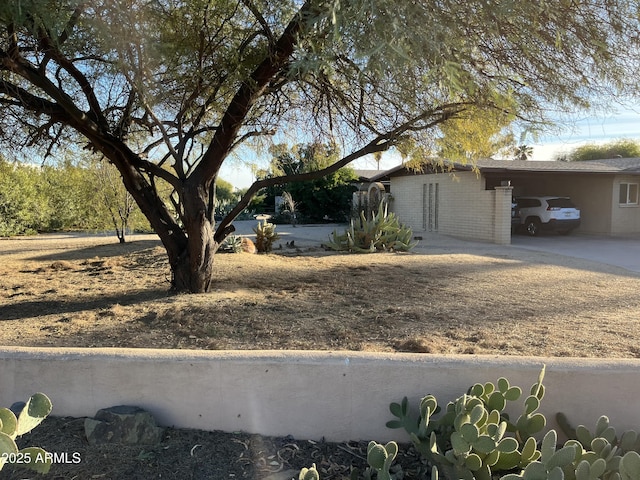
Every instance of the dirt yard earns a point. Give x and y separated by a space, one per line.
65 290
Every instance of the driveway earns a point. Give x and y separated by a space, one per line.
619 251
302 235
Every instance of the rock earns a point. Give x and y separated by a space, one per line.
123 424
248 246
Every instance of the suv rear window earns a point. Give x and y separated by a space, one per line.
560 203
528 202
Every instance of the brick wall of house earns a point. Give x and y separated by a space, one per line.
625 218
463 208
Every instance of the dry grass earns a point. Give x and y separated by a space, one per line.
94 292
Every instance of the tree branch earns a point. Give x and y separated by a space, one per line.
263 23
247 94
378 145
94 105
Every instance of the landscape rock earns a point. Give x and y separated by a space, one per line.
123 424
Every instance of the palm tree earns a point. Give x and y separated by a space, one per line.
523 152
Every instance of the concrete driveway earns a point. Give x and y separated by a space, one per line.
619 251
302 235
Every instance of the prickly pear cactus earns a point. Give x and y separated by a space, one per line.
552 463
381 457
531 422
309 473
471 440
601 454
630 466
33 413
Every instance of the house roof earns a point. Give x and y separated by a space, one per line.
366 175
630 166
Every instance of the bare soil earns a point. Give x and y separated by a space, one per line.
90 291
64 290
198 455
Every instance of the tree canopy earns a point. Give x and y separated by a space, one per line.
622 148
64 197
319 199
167 90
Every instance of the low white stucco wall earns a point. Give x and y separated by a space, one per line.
339 396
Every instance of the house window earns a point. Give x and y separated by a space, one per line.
430 204
628 194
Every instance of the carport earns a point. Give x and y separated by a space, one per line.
606 191
473 201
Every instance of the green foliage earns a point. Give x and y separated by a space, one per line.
226 196
382 232
470 439
615 149
475 134
65 196
523 152
32 414
318 199
114 207
21 201
265 236
473 439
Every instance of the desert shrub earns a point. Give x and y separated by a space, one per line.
382 232
265 236
11 426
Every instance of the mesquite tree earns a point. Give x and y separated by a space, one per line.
167 90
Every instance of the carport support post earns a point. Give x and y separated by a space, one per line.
502 215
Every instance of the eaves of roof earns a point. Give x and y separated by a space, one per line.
613 166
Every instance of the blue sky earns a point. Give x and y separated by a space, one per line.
624 124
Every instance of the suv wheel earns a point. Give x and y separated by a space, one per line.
532 227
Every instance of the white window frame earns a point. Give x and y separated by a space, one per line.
631 192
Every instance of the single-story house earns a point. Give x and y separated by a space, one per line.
474 201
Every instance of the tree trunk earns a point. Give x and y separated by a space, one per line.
192 266
192 272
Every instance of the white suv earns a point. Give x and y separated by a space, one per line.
557 214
